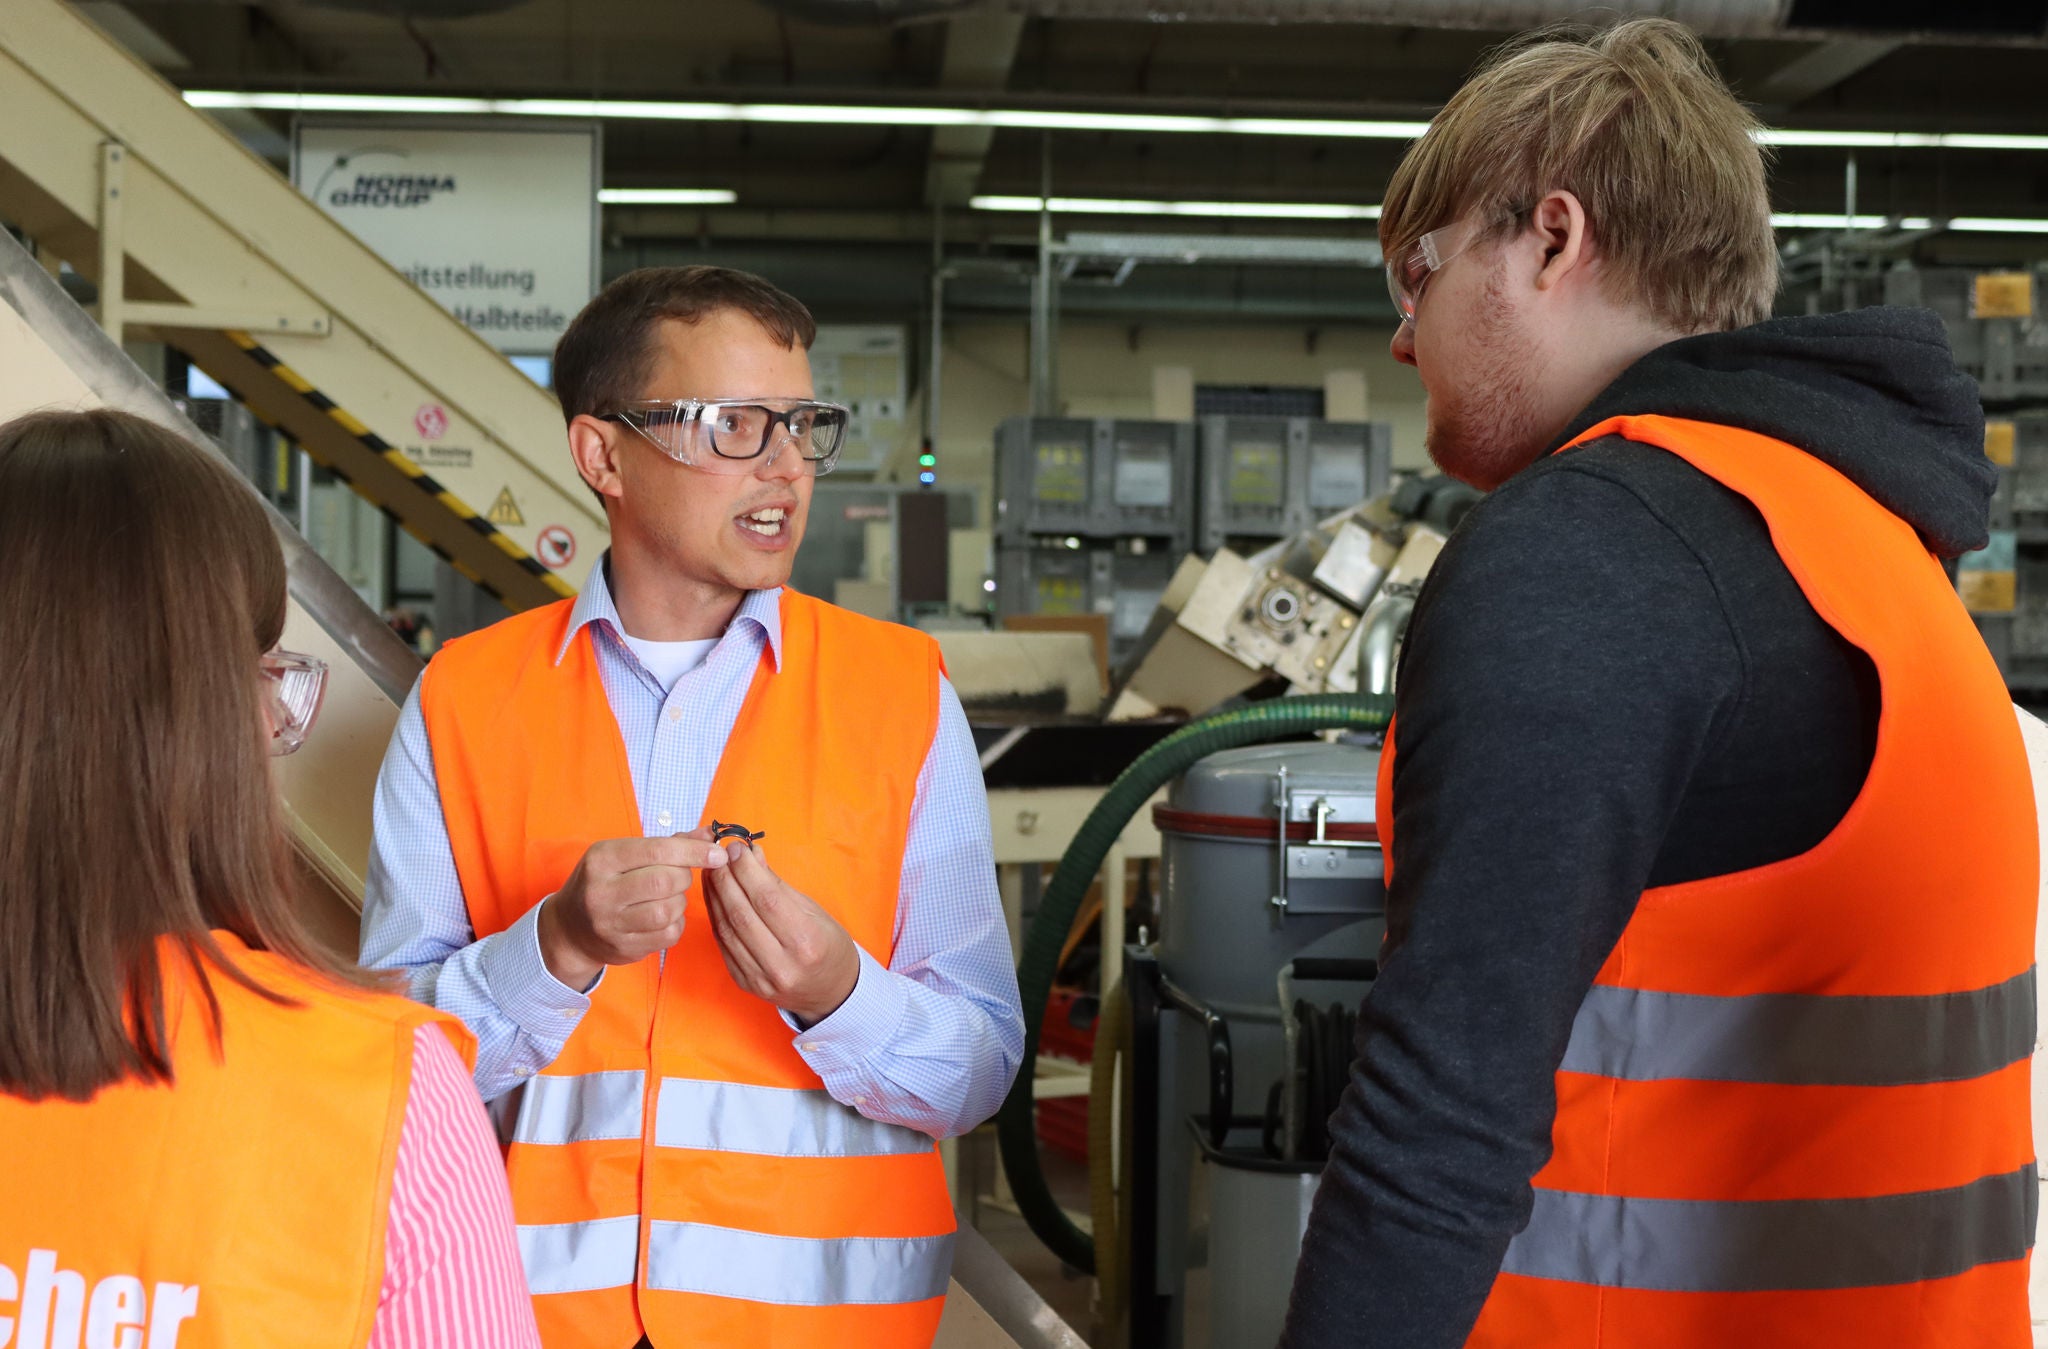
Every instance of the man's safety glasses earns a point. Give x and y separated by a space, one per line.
729 435
292 688
1409 276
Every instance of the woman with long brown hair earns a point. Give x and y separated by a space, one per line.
213 1132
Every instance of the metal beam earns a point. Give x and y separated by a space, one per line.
1822 68
1224 248
980 46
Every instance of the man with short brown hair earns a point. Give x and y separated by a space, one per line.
705 865
1707 1004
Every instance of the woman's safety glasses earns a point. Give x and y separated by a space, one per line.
730 435
292 688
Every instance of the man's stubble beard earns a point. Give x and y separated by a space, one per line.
1490 432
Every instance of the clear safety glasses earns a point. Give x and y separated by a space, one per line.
1407 277
730 435
292 687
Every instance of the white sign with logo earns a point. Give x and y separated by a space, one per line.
497 222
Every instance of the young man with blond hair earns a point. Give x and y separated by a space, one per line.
1707 1004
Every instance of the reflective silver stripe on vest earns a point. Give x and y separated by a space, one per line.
796 1271
1803 1039
772 1122
585 1108
1693 1246
579 1257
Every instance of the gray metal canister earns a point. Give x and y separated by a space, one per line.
1234 908
1266 852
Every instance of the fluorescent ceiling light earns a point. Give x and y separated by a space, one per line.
667 196
201 98
1806 220
1997 225
1899 140
1246 210
1023 119
1283 210
1972 224
808 114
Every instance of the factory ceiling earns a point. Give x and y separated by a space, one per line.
862 186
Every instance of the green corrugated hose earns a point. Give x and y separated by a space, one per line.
1016 1130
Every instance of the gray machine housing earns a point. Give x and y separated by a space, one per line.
1095 478
1272 477
2018 640
2008 357
1122 585
1235 911
835 539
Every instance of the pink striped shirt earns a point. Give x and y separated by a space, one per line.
452 1277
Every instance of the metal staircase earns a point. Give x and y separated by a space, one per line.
198 242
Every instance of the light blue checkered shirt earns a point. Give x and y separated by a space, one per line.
930 1043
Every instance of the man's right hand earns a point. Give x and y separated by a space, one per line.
623 902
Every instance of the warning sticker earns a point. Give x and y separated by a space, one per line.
1987 578
2002 295
555 547
431 421
2000 439
505 511
441 456
1988 592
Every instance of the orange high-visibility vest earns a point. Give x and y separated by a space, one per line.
1794 1108
243 1204
679 1169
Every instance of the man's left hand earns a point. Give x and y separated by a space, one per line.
778 943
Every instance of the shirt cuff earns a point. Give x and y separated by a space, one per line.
525 990
864 1024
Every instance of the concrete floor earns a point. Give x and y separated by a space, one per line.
1069 1293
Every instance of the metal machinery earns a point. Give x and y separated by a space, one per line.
1272 910
1092 516
2005 585
881 549
1991 321
1233 1031
1995 327
1319 610
1265 478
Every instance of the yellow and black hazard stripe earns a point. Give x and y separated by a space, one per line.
399 460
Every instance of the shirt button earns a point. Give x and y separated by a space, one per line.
808 1048
860 1100
522 1071
662 819
675 714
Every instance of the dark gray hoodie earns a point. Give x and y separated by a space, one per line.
1611 682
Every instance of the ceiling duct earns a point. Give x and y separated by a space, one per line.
420 9
1928 20
873 11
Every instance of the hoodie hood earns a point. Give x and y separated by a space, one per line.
1872 393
